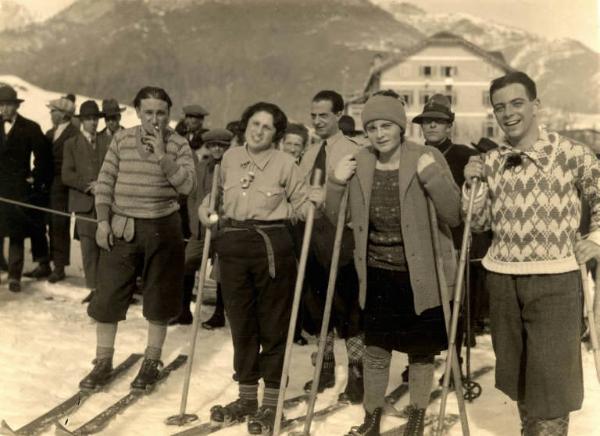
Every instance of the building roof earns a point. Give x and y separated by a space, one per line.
440 38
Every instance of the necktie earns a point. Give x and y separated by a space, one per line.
321 162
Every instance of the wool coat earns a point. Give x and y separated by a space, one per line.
21 181
437 182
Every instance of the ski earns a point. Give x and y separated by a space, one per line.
436 394
69 405
100 421
212 427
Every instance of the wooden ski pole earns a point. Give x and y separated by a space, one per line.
589 307
333 271
444 296
310 217
184 418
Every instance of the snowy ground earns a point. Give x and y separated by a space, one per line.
47 343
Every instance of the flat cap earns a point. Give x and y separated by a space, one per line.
195 110
221 136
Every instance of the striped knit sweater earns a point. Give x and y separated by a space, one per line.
132 182
534 208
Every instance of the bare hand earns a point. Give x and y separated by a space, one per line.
316 194
474 169
586 250
104 235
155 143
206 217
345 168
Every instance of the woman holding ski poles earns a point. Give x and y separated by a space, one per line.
389 182
261 190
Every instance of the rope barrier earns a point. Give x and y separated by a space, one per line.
45 209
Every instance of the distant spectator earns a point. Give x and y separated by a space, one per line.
112 117
295 140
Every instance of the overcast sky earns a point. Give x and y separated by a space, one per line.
578 19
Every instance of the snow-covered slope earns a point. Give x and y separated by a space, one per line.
13 15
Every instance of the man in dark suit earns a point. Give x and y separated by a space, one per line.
112 118
82 158
19 139
61 112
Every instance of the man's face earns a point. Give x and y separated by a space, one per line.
435 130
324 120
293 144
56 117
193 123
217 149
112 122
89 124
8 109
515 113
154 114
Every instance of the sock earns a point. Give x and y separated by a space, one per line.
420 378
105 339
248 392
270 397
376 376
355 347
157 332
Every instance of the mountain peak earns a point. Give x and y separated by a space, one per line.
13 15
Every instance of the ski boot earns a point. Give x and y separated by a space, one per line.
416 422
99 375
370 427
236 411
148 375
355 390
327 379
262 421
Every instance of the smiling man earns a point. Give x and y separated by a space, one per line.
530 197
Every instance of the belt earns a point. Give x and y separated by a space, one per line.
259 226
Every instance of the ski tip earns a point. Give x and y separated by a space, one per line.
6 429
61 430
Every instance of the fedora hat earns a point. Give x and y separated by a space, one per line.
8 94
436 108
110 106
89 108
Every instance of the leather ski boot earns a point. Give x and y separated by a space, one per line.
99 374
236 411
370 426
416 422
262 421
327 378
355 390
147 375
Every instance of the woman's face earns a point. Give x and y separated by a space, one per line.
293 144
260 131
384 135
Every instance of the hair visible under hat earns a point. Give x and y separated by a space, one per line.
382 107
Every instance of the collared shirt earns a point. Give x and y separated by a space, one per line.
90 138
10 122
265 187
59 129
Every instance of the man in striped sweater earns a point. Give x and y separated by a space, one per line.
145 169
530 197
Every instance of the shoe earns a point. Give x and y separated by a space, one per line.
355 390
300 341
39 272
57 275
217 320
416 422
185 318
548 427
148 374
89 297
236 411
262 421
370 426
14 285
327 378
99 374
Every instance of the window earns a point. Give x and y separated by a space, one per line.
486 99
427 71
489 129
452 97
424 96
449 71
406 95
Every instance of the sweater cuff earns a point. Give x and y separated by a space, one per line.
594 237
168 165
103 212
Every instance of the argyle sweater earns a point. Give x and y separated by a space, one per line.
133 183
534 208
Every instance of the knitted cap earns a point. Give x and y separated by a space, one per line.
382 107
